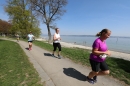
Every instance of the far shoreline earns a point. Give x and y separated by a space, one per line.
116 54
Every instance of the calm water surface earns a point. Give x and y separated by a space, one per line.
121 44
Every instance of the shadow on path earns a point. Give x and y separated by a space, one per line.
47 54
74 73
27 48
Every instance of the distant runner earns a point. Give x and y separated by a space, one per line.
30 40
56 43
17 36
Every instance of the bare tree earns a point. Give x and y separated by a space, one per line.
49 10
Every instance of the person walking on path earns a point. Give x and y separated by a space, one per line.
17 36
56 43
30 40
97 57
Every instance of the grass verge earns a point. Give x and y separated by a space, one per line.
119 68
15 68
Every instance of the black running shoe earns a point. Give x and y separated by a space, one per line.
52 55
91 81
59 57
95 79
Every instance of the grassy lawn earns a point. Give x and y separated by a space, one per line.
119 68
15 68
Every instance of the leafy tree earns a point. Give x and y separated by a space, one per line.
21 18
5 27
49 11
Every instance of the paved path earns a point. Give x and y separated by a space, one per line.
62 72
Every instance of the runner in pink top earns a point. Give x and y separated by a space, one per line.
98 56
102 46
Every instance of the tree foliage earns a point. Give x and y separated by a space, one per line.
5 27
21 18
49 11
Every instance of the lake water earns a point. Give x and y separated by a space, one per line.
121 44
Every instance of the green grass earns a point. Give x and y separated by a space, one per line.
15 68
76 54
119 68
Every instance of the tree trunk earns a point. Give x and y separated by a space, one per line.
49 33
